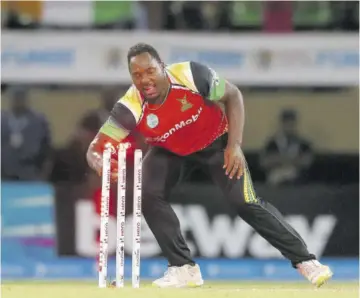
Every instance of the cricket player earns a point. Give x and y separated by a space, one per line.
177 108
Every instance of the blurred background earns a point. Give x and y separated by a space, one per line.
63 65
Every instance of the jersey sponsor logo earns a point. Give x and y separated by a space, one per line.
176 127
185 105
152 120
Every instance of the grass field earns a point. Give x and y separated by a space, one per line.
211 289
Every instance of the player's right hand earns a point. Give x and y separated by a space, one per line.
234 161
95 162
94 155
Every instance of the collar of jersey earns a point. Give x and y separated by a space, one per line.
155 107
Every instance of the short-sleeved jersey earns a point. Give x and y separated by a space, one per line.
187 121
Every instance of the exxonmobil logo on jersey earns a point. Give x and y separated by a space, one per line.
176 127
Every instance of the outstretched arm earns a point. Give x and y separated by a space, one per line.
122 121
102 139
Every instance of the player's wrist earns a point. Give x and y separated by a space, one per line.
234 144
94 161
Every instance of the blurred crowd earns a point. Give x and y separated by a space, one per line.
28 153
268 16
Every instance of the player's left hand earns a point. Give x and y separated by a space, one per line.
234 161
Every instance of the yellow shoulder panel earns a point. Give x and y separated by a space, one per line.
181 74
132 100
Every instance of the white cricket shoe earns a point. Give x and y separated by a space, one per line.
186 276
315 272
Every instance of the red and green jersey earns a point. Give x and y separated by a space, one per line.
189 119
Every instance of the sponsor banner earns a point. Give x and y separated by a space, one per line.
212 269
27 221
250 59
324 216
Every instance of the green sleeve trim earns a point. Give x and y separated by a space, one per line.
217 89
113 130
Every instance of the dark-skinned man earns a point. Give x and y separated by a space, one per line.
177 109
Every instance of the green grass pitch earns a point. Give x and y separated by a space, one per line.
241 289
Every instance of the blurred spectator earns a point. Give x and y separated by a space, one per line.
287 155
314 15
210 12
70 163
271 16
26 141
184 15
345 15
93 120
